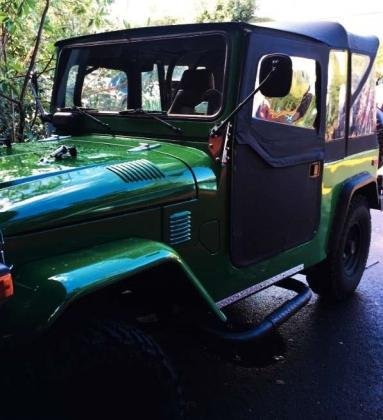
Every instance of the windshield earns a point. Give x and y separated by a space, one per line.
181 76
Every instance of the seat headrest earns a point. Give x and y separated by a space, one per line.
199 80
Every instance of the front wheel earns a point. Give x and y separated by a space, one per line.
105 369
339 275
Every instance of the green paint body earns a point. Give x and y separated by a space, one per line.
72 227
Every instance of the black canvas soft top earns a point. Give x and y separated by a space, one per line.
330 33
153 31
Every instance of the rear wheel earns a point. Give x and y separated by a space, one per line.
339 275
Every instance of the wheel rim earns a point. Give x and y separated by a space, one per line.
352 253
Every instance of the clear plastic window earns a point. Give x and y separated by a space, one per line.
359 65
336 95
105 89
151 97
298 107
379 93
178 72
71 82
363 110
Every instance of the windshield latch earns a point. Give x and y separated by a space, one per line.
219 144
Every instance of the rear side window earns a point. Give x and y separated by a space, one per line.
299 106
379 93
363 109
336 95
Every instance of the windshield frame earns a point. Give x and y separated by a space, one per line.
61 68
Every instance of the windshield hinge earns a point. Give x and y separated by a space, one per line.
219 144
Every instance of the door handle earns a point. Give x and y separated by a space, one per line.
315 170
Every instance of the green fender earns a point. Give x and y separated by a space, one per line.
45 288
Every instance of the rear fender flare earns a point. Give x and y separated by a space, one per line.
362 183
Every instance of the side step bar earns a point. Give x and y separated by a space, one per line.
272 321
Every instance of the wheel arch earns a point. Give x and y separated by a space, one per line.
61 283
363 184
162 288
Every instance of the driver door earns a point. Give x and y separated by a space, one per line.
278 156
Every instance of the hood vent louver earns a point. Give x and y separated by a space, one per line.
180 227
137 170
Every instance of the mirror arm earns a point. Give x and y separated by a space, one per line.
217 128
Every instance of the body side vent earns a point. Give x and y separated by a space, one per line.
137 170
180 225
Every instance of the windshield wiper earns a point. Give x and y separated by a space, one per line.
92 117
139 111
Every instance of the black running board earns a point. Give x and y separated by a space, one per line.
272 321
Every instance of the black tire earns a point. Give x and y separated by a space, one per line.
339 275
106 369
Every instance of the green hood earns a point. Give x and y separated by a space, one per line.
108 176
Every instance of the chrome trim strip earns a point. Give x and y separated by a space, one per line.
260 286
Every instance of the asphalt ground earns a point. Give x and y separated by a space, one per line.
326 362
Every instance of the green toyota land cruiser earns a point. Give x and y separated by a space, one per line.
190 167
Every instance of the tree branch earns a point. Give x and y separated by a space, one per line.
8 98
46 66
31 66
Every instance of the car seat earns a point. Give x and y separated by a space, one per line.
196 86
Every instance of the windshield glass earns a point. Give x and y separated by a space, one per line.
181 76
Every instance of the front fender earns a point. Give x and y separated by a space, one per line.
45 288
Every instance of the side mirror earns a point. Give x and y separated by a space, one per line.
279 67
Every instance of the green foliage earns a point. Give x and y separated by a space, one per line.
229 10
19 23
166 20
